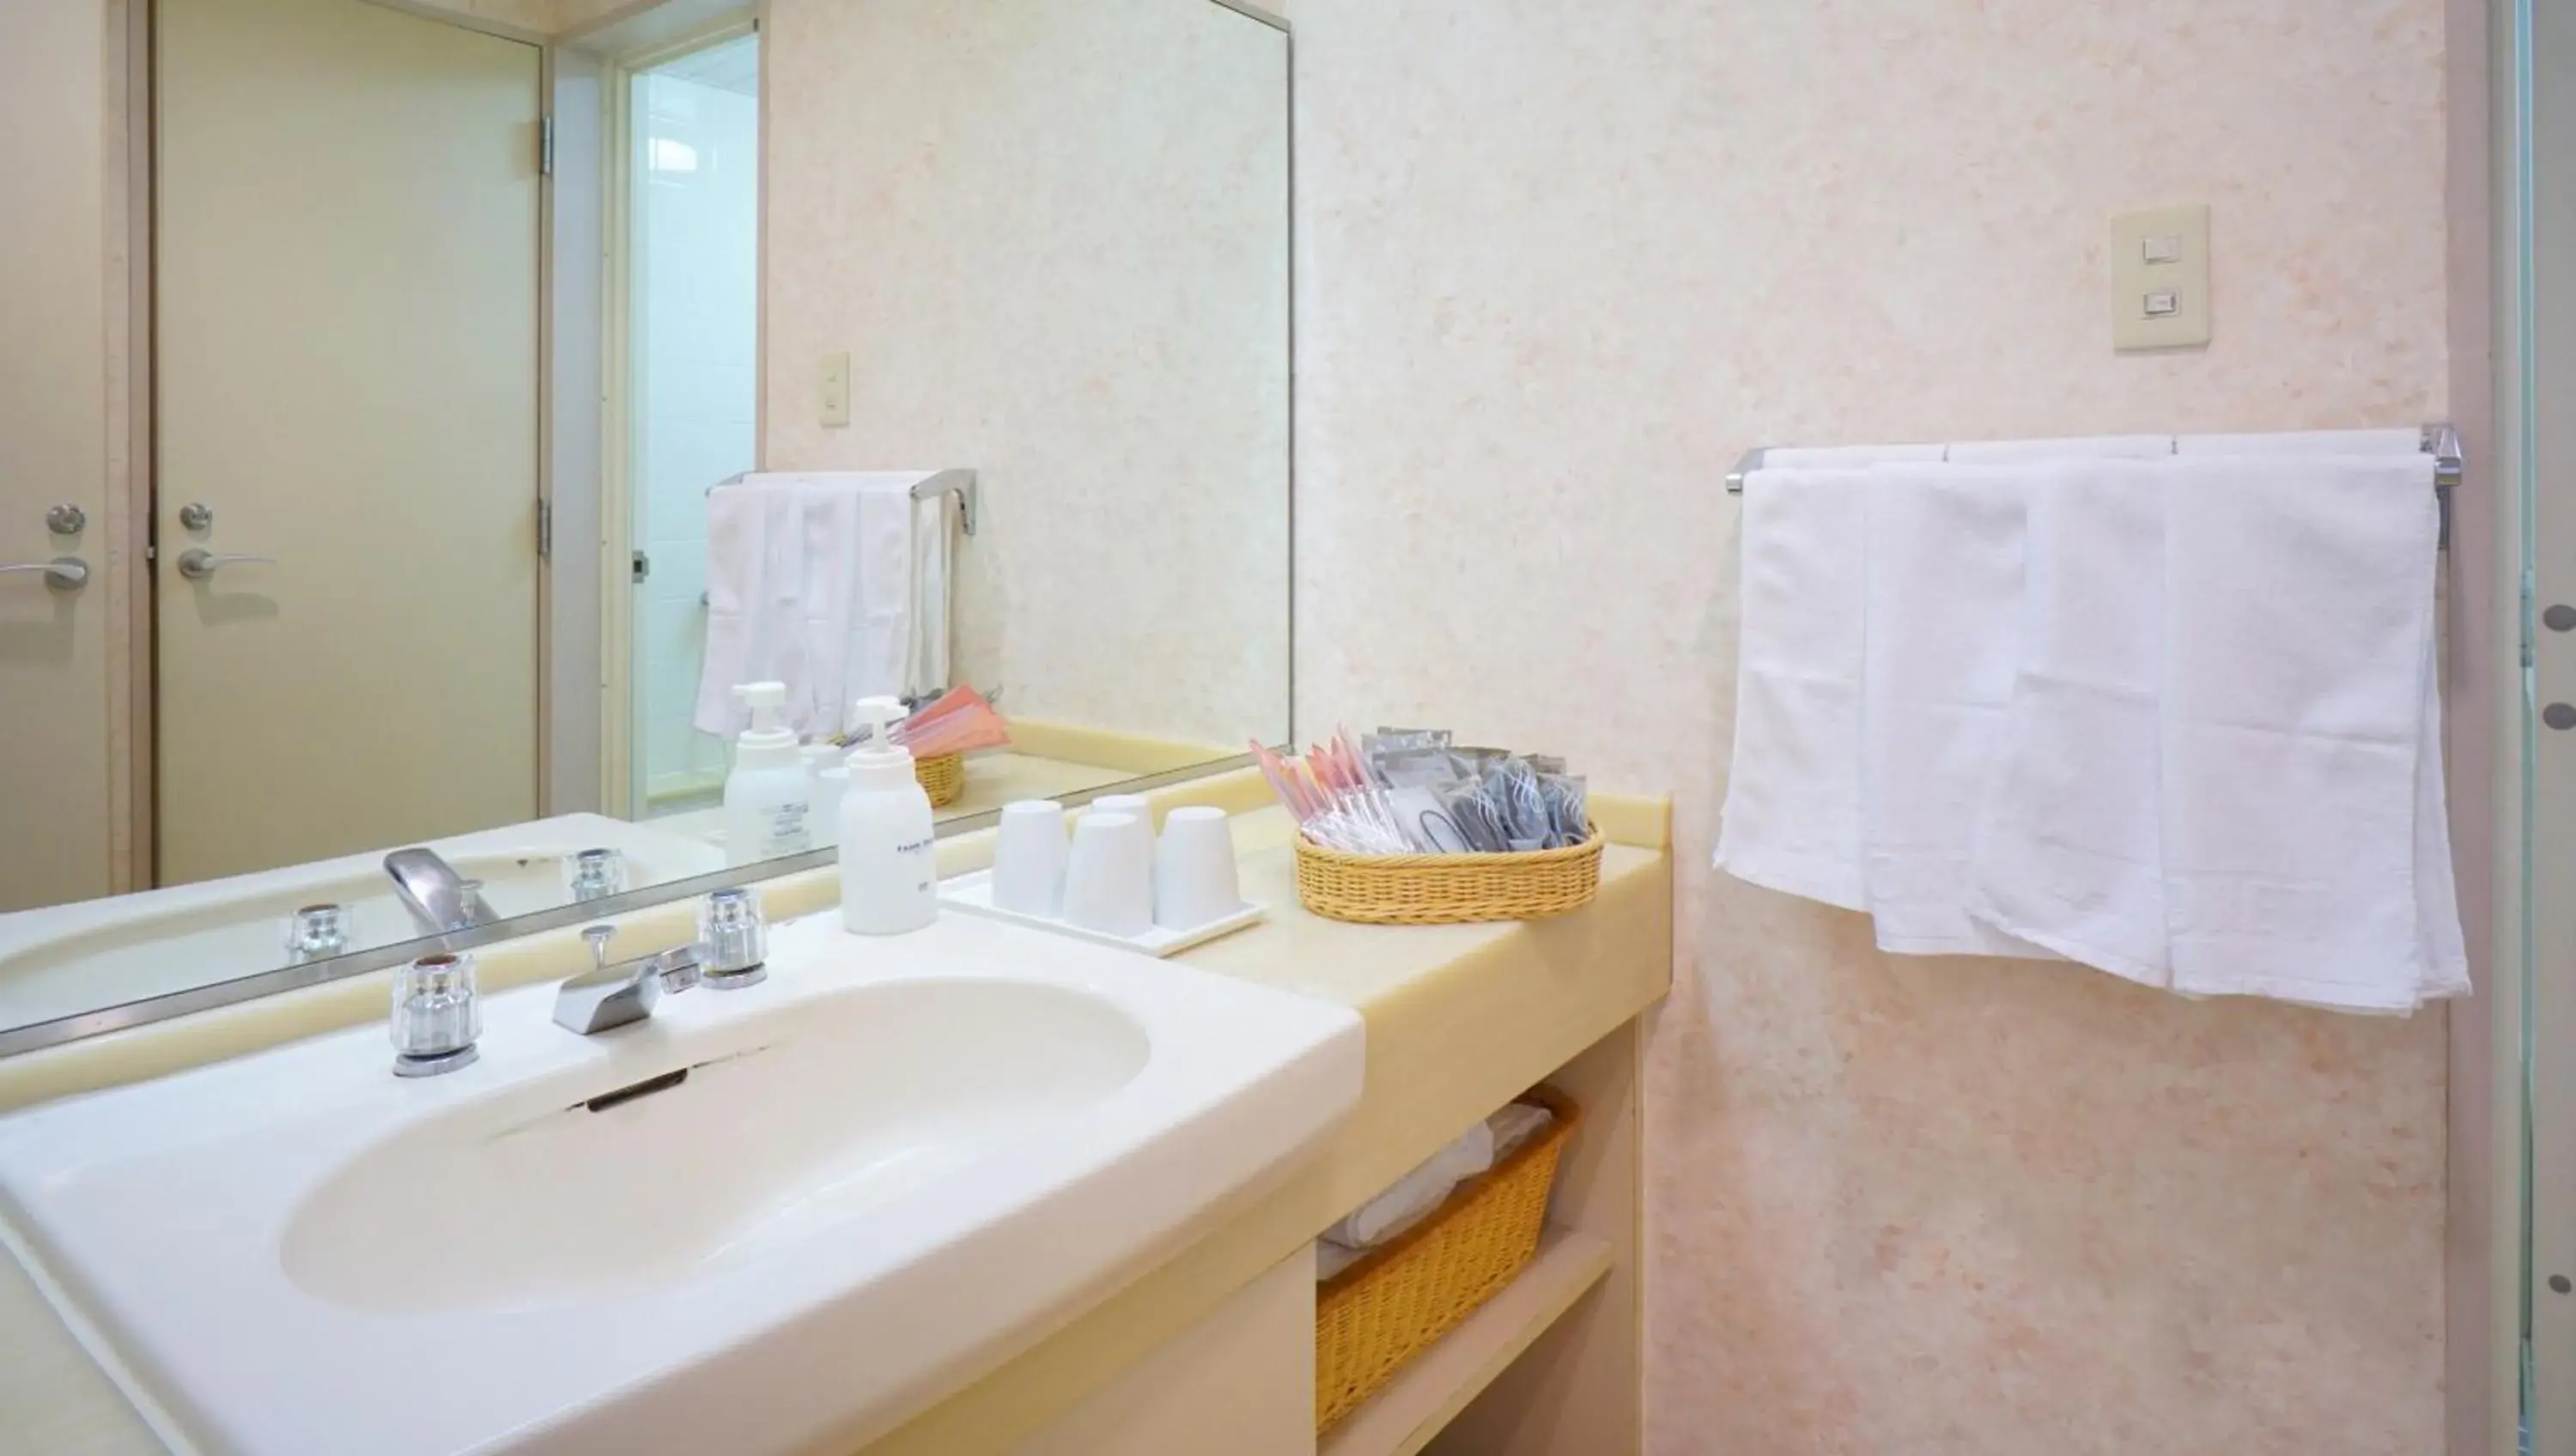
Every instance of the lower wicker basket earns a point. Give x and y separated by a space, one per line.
1378 1314
1447 889
943 778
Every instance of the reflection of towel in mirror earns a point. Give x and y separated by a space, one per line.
925 673
833 583
755 577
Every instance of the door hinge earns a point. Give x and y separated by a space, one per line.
545 530
2528 618
545 146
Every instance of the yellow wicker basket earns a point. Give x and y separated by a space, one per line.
1378 1314
942 777
1447 889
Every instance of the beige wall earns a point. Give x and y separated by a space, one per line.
1054 240
1559 264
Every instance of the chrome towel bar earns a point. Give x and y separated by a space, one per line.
961 484
2441 441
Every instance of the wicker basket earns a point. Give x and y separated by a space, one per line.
942 777
1447 889
1378 1314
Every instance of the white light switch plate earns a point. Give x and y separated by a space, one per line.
836 390
2160 279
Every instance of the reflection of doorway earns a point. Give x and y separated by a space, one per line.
693 269
346 342
55 715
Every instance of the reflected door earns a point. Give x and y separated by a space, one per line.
694 248
53 464
347 260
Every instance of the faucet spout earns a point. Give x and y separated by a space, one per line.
439 898
608 996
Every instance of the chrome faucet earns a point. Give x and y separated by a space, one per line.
436 895
611 995
730 953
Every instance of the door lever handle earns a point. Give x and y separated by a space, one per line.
63 573
199 564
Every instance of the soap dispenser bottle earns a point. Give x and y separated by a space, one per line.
767 798
889 868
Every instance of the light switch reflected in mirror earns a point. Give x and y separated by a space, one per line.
1042 496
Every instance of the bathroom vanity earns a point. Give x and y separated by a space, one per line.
1204 1343
970 1191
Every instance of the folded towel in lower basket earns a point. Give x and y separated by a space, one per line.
1418 1194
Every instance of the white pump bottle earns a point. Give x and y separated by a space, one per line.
889 859
768 799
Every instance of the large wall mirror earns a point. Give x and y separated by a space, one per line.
417 421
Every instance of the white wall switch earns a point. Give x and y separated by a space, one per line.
836 390
2160 279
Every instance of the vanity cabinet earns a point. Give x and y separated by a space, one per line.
1240 1381
1551 1366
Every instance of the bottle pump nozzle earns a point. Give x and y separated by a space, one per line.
766 700
879 715
878 761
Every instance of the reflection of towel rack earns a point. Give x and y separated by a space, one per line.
2441 441
959 483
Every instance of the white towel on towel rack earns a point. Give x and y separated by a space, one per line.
755 581
932 598
2306 853
829 596
858 583
2069 851
1848 457
2394 444
1943 645
1792 819
2097 447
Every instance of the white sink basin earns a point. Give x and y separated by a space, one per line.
67 959
885 1171
880 1090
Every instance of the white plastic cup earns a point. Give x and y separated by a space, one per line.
824 813
1194 880
1136 807
1135 804
1109 876
1029 858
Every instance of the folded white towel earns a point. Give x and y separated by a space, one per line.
812 581
1943 646
926 662
755 585
2069 851
2306 855
2098 447
868 565
818 700
1413 1197
1792 819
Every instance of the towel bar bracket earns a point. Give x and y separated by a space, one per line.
961 484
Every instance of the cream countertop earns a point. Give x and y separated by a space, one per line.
1460 1019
